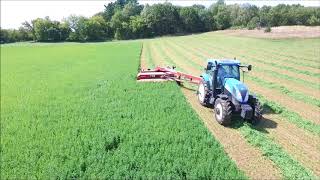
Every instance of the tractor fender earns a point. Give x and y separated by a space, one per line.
237 89
206 78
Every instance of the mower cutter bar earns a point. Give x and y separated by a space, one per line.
166 74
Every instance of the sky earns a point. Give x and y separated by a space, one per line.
14 12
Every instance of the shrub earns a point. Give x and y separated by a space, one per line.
267 30
253 23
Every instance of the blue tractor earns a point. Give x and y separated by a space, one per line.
222 89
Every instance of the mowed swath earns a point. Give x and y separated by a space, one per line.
230 139
71 111
315 150
310 111
199 55
312 83
189 53
283 89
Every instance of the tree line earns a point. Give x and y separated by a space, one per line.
127 19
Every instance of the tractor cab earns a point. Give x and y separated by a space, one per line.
217 71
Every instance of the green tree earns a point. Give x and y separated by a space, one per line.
207 20
30 28
65 31
77 25
190 19
162 19
236 15
112 7
279 15
120 24
138 27
41 27
264 15
4 36
132 9
53 34
222 18
24 34
96 29
253 23
314 21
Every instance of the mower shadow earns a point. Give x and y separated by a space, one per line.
262 126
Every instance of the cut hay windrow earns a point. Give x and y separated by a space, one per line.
298 96
261 59
246 43
280 88
301 79
290 116
189 58
292 49
306 87
241 53
290 168
165 57
148 55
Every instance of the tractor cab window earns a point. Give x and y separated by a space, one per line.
209 66
227 71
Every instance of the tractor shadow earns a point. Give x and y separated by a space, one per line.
262 126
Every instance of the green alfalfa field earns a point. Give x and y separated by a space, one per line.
75 110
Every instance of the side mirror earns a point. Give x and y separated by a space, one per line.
249 67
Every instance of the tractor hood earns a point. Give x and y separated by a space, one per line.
237 89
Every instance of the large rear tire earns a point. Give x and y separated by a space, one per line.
223 111
203 96
257 113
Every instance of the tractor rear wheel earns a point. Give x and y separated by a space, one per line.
257 113
202 93
223 111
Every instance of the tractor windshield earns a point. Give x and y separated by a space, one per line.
227 71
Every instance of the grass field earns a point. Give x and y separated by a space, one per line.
286 76
75 110
72 111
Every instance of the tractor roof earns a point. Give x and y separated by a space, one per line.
224 61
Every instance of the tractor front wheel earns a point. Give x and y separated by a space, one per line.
257 113
223 111
203 94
